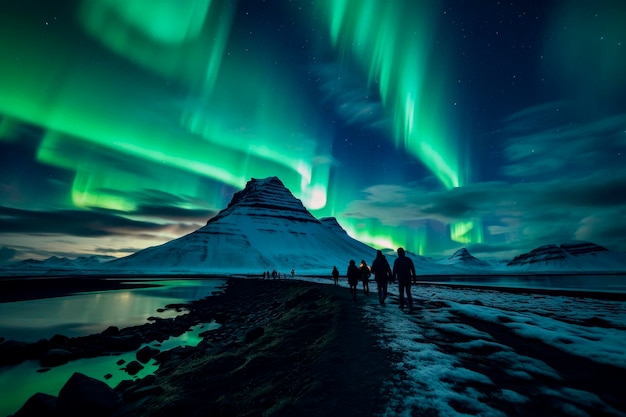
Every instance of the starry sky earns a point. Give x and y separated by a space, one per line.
498 126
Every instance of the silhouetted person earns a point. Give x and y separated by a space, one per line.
293 273
404 271
353 275
382 275
335 275
365 276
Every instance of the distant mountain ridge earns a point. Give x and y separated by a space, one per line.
462 257
571 256
63 262
265 228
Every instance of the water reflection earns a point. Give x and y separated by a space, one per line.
19 382
87 313
92 312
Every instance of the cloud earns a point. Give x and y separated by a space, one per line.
522 214
6 254
161 205
355 104
70 222
169 212
562 139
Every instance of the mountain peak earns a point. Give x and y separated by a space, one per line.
266 197
263 228
560 256
463 257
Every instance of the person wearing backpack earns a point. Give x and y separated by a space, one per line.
404 271
382 276
365 276
335 274
353 274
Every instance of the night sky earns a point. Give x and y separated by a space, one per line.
498 126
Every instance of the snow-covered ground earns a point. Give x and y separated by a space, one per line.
470 351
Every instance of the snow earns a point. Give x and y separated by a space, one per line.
444 348
436 374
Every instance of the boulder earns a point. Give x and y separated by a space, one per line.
123 343
142 392
146 353
12 351
254 334
133 367
55 357
39 404
111 331
85 396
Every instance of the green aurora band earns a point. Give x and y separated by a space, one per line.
392 42
237 119
239 115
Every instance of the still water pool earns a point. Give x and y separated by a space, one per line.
91 312
88 313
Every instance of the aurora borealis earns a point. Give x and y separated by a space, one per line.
433 125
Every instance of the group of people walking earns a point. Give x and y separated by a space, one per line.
403 272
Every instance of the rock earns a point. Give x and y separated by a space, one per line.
12 351
146 353
59 339
39 404
111 331
125 385
55 357
254 334
133 367
221 317
142 392
85 396
123 343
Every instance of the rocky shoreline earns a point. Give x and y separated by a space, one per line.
283 348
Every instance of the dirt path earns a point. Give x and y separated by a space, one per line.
285 348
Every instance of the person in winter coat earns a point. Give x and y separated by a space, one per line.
353 275
404 271
365 276
335 273
382 276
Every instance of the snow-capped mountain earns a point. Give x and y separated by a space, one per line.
264 228
572 256
462 257
55 262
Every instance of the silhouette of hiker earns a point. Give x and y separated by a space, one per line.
335 275
382 275
365 276
353 275
404 271
293 273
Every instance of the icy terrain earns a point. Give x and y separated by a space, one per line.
476 352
